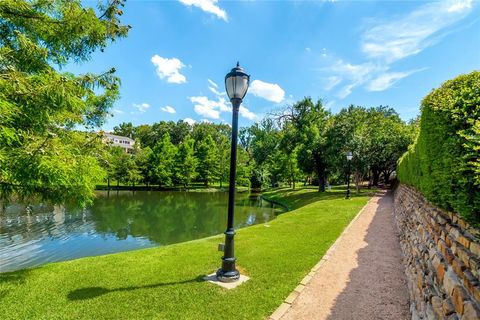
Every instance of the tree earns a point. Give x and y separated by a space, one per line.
125 129
261 141
142 158
310 122
288 157
207 155
223 159
163 161
40 153
377 137
186 163
123 167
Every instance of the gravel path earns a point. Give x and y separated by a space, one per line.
364 276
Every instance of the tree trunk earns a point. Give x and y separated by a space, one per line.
321 176
118 184
292 177
358 180
386 176
375 177
108 183
321 183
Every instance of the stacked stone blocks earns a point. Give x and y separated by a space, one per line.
441 256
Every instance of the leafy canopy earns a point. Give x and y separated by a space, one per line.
40 105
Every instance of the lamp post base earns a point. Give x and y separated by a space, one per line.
228 276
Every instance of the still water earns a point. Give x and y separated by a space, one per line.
119 221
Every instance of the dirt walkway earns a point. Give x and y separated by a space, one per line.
364 277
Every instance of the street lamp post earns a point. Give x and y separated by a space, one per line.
236 84
349 159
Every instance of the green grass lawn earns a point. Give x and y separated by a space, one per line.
166 282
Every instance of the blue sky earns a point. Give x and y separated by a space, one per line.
173 62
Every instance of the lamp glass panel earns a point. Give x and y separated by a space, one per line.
241 86
230 86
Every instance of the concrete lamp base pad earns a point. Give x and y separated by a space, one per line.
227 285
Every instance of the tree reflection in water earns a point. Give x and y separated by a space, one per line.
118 221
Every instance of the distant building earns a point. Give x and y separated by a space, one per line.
118 141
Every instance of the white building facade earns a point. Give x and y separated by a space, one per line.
119 141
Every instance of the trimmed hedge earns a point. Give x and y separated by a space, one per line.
443 163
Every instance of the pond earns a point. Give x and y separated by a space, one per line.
119 221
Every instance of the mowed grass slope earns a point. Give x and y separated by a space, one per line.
166 282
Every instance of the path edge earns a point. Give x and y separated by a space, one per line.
290 299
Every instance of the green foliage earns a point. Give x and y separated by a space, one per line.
303 142
310 122
443 163
125 129
377 137
39 106
186 163
163 161
145 167
207 154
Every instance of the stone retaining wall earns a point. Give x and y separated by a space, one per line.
441 256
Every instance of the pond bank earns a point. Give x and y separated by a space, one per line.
119 221
152 283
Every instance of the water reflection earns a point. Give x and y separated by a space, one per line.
118 221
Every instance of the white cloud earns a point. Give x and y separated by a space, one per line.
142 107
209 108
346 90
269 91
168 109
206 121
212 83
324 52
190 121
387 79
206 111
412 33
353 71
118 111
209 6
220 104
332 82
244 112
213 87
213 108
352 75
169 69
216 92
460 6
387 42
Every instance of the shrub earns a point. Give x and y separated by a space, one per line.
443 163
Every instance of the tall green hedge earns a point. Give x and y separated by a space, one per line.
444 163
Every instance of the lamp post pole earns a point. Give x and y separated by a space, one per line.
348 181
228 271
349 159
236 83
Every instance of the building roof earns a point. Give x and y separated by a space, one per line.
118 137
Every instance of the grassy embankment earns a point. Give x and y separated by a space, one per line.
166 282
